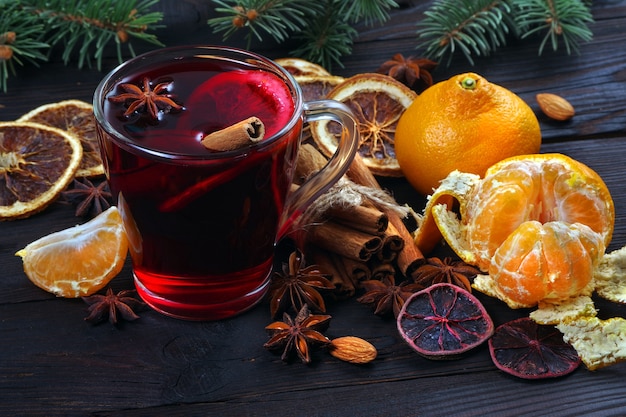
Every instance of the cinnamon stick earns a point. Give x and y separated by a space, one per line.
366 219
330 264
309 161
356 270
410 258
382 271
243 133
343 240
393 244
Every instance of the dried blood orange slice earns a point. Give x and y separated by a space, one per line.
75 117
78 261
37 162
529 350
299 66
377 101
443 321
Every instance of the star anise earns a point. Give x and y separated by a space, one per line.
112 305
89 198
299 335
298 285
447 270
385 296
411 71
146 99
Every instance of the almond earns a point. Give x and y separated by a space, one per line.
353 349
555 107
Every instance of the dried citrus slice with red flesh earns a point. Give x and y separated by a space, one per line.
37 162
377 101
75 117
237 95
444 321
80 260
529 350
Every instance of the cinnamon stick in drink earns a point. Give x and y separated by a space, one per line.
243 133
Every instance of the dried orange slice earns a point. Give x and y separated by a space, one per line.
75 117
377 101
37 162
316 87
80 260
299 66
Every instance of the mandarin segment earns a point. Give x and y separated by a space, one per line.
550 261
80 260
37 162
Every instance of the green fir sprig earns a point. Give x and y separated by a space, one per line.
84 28
479 27
324 29
559 20
18 40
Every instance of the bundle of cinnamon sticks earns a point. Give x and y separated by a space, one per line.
355 243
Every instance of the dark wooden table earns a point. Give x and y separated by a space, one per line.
54 363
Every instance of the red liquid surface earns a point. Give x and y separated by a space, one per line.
202 235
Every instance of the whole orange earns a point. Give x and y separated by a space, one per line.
464 123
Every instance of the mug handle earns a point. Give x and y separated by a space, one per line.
337 165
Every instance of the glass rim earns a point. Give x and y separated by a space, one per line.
111 79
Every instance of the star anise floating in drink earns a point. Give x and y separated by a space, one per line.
412 72
447 270
113 306
146 99
89 198
298 336
297 285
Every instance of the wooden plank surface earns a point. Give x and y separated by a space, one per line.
53 363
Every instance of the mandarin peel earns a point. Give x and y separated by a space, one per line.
599 343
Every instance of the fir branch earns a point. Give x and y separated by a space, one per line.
278 18
326 40
18 40
87 25
474 27
370 11
324 28
564 20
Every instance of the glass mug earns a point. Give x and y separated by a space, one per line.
202 225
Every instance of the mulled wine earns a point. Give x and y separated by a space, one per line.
202 225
